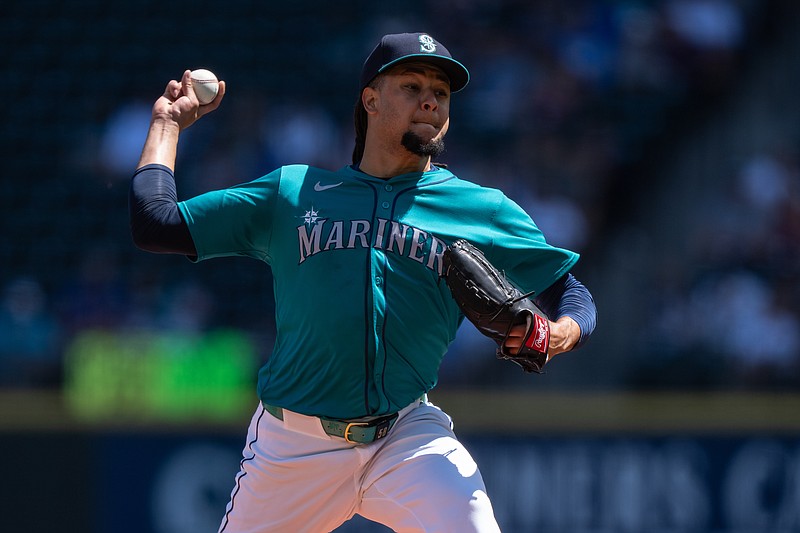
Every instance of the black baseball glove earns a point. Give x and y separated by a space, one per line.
494 305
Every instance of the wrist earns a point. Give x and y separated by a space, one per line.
162 123
570 333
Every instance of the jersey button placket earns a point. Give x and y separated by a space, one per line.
385 200
379 315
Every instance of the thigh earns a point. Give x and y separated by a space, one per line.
291 481
424 479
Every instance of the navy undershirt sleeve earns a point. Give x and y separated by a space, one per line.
156 222
569 297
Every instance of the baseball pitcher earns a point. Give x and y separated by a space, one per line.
396 250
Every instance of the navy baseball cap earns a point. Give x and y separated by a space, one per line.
401 47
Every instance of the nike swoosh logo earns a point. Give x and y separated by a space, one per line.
319 187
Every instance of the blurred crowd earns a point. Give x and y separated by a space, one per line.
564 97
732 319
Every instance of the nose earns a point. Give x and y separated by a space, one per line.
428 101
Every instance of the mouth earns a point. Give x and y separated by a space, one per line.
434 127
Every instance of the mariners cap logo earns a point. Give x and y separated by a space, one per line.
427 44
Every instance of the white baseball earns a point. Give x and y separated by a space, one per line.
205 85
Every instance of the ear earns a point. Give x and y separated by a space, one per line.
369 99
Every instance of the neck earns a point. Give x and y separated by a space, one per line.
383 164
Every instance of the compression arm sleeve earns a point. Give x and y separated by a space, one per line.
569 297
156 223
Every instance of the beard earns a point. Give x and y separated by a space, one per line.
416 145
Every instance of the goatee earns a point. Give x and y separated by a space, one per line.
416 145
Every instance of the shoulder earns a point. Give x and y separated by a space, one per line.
303 172
470 195
446 177
292 176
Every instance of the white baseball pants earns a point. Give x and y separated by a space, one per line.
295 478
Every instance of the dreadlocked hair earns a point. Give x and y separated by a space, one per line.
360 123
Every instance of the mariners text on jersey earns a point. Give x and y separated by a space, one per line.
323 235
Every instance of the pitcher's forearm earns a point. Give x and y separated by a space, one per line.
161 145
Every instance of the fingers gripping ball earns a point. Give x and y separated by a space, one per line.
206 85
494 305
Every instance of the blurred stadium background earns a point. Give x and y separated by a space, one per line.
659 138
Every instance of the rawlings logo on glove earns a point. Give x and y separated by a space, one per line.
495 306
541 340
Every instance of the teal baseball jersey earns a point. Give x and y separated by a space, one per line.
363 320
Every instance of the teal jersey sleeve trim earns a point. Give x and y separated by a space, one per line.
521 247
233 221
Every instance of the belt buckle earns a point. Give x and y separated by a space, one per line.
348 428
